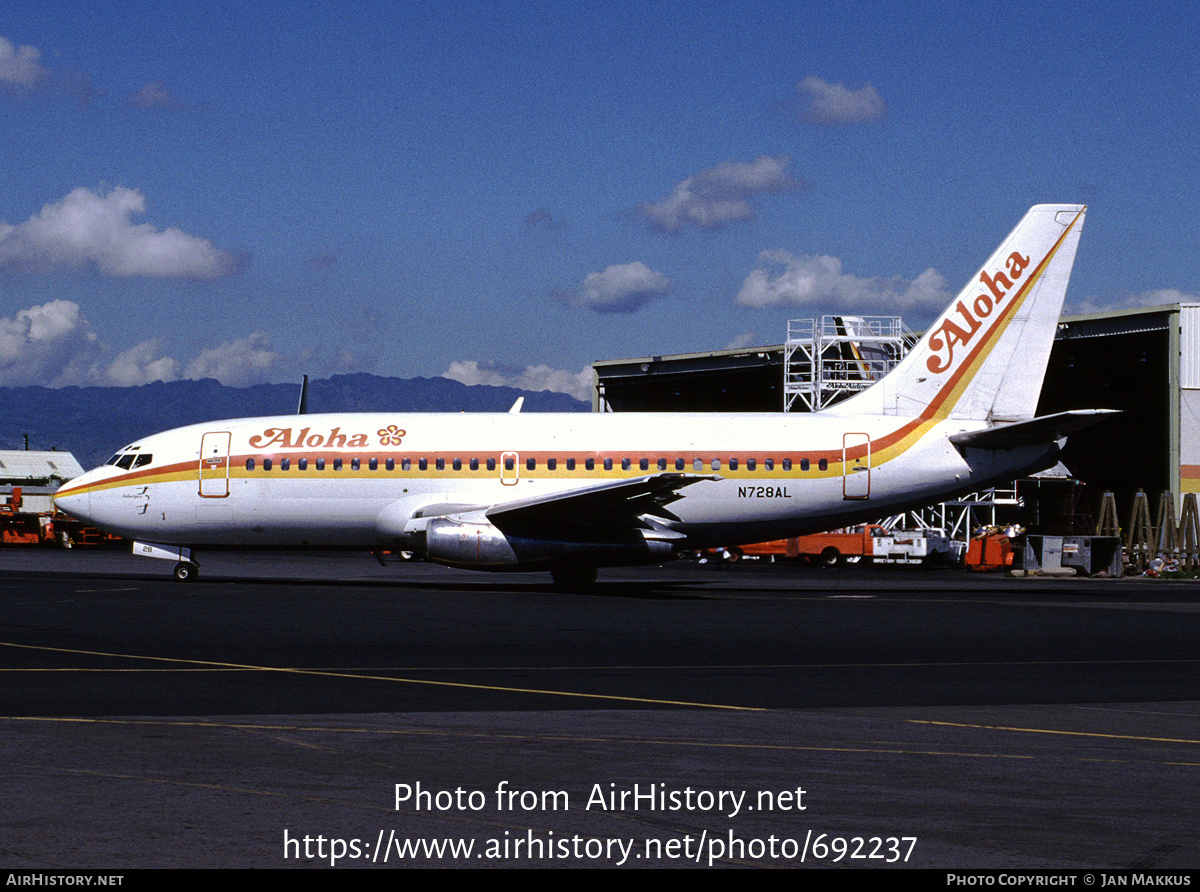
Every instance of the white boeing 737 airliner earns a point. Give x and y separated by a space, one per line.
573 492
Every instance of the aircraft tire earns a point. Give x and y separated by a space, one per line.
186 571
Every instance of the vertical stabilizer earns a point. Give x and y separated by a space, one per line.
985 357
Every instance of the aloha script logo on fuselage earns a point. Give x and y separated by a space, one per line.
951 333
288 438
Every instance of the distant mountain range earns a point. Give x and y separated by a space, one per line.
93 422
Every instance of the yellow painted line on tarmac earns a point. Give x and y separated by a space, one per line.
610 740
361 677
1058 732
565 738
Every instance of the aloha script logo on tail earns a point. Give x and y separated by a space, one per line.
950 333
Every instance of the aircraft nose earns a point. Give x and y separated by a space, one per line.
75 499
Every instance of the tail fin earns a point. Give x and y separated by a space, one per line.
986 355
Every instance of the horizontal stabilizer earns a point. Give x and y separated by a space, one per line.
1046 429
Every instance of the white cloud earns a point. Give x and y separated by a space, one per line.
239 363
53 345
828 103
743 340
20 67
534 377
89 228
1156 298
782 278
47 345
719 195
621 288
154 95
142 364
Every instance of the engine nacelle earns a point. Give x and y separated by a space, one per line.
476 544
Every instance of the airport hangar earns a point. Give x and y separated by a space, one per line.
1144 362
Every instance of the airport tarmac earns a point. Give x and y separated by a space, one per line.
314 710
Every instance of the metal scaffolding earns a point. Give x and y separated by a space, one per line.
959 518
842 355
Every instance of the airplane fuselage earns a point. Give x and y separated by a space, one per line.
358 480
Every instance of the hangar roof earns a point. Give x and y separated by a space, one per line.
19 468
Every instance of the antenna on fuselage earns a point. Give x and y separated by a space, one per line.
302 409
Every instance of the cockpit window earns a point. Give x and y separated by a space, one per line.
127 460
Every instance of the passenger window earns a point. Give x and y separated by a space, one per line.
355 464
406 464
625 464
608 464
509 464
823 464
679 464
751 464
320 464
373 464
531 464
302 464
804 464
474 464
570 464
589 464
733 464
551 464
285 464
441 464
662 464
769 464
457 464
644 464
491 464
787 464
337 464
249 464
390 464
698 464
266 464
716 464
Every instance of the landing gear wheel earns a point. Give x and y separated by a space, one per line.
186 571
574 579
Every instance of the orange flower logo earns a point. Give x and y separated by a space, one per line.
391 435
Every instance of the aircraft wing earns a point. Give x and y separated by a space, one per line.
619 503
1037 430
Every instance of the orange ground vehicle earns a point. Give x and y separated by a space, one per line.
826 548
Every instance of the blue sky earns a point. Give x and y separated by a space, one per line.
507 192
